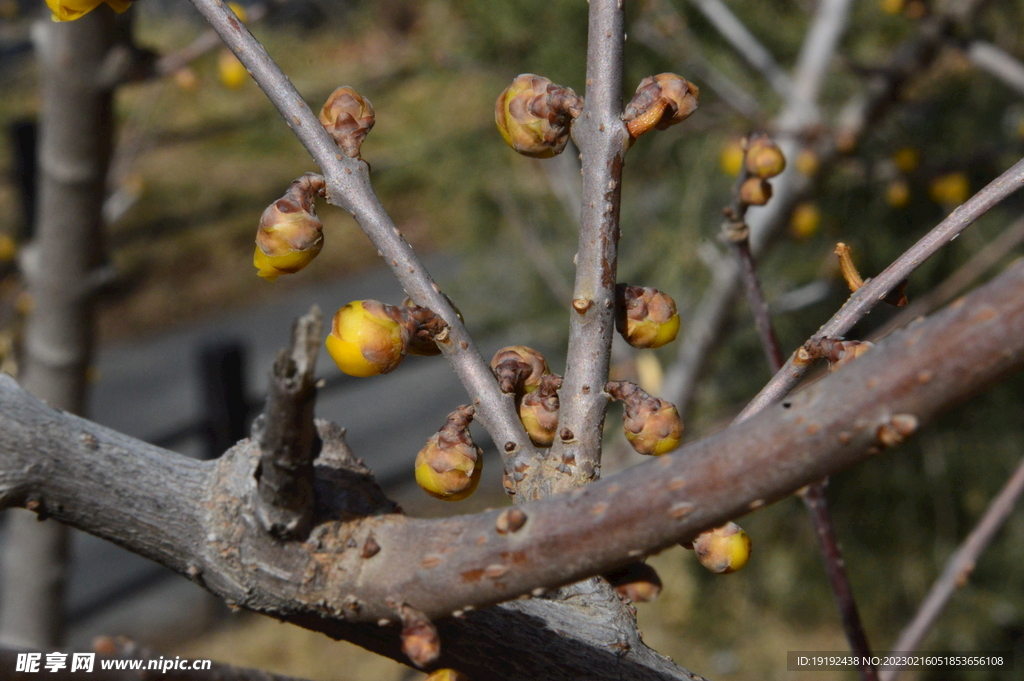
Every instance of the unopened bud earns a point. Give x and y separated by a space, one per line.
637 582
764 159
538 411
69 10
755 192
367 338
449 466
651 424
348 117
660 101
423 326
724 549
420 641
843 352
447 675
519 369
646 318
290 234
534 115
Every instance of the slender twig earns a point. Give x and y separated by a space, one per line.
813 495
744 42
286 434
602 139
348 186
816 52
980 263
959 567
874 290
998 63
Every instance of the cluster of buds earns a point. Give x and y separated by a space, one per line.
724 549
534 115
290 234
660 101
523 372
348 117
637 582
449 466
652 425
369 337
646 317
762 161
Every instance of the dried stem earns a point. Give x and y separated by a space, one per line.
877 288
959 567
602 139
348 186
286 434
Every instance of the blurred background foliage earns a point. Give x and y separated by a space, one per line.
203 152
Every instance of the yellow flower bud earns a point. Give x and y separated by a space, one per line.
232 72
731 158
538 411
290 234
764 159
906 159
447 675
647 318
951 189
534 115
807 163
367 339
660 101
69 10
348 117
805 221
519 369
651 424
724 549
449 466
897 194
637 582
755 191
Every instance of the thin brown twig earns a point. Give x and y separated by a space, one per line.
348 186
959 567
874 290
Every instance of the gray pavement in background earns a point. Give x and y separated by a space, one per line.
151 387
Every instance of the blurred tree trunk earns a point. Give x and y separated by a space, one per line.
74 153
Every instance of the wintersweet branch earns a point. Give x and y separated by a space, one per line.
877 288
602 139
363 561
348 186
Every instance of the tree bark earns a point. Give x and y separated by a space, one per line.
74 152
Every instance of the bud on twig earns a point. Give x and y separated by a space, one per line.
763 159
637 582
539 411
534 115
367 338
652 425
755 192
420 641
290 234
449 466
646 318
660 101
519 369
423 326
348 117
724 549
